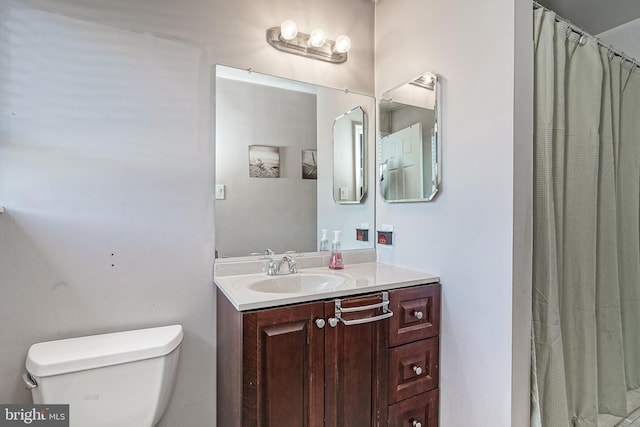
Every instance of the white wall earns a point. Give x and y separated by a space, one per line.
105 171
106 165
467 235
625 38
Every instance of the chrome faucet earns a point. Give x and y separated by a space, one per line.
291 263
273 269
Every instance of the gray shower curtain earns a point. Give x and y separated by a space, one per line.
586 265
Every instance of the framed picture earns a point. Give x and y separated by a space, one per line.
264 161
309 164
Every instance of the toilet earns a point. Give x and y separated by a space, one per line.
121 379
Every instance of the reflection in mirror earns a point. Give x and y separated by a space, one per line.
274 165
409 145
349 157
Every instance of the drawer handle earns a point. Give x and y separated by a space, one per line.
386 313
320 323
415 423
418 314
417 369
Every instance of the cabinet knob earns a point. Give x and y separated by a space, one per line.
415 423
333 322
320 323
417 370
418 314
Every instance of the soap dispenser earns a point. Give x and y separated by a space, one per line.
335 261
324 241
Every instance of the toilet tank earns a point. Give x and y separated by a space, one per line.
119 379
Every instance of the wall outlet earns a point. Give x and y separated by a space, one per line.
385 237
362 235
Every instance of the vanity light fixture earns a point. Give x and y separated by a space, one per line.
287 38
425 82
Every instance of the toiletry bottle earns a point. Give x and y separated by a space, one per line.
335 261
324 241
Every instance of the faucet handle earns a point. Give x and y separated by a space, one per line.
264 254
291 261
272 267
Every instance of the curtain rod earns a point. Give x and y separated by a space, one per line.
582 32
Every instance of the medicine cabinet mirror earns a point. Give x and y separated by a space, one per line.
349 156
410 146
274 164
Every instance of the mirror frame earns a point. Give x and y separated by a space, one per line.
363 158
437 162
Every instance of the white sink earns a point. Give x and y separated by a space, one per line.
297 283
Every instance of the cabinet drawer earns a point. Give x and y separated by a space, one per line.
419 411
413 369
416 314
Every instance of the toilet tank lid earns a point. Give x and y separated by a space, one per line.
78 354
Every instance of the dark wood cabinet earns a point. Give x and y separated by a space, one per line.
414 356
330 363
283 373
416 313
417 411
355 360
413 369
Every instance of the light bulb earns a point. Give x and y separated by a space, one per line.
288 30
317 38
343 44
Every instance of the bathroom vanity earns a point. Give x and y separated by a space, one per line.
362 351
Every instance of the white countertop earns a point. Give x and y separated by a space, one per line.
359 278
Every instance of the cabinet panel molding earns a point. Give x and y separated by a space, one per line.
413 369
283 374
416 313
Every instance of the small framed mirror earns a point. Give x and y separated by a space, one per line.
349 156
409 145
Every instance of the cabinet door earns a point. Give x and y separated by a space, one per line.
283 375
356 367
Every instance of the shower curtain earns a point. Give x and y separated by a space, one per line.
586 264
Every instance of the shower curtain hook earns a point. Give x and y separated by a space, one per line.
611 53
583 39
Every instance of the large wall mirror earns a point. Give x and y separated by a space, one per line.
274 164
349 156
409 146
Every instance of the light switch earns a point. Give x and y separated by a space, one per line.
344 193
219 191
